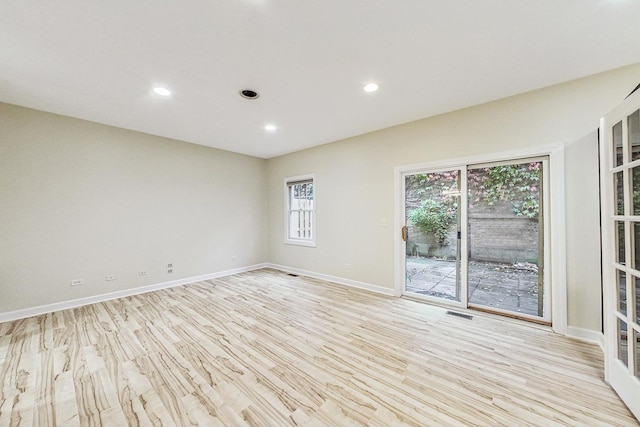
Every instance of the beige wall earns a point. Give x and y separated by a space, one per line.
83 200
355 178
583 232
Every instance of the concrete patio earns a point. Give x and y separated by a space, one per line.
502 286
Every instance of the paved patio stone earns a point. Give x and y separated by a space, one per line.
502 286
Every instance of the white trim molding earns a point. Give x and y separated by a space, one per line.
558 244
65 305
586 335
334 279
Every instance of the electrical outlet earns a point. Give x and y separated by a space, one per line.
169 268
77 282
110 278
347 265
143 273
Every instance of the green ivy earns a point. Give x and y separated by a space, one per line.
518 184
432 217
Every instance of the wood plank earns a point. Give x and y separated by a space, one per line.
266 348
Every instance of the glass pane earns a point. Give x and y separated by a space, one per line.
620 239
634 134
294 221
621 286
623 353
301 196
505 232
618 179
635 244
300 226
637 283
617 144
433 244
301 210
636 340
635 187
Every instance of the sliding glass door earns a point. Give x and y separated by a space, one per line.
506 237
433 235
475 236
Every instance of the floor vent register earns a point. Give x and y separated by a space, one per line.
464 316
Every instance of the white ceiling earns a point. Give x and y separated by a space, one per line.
98 60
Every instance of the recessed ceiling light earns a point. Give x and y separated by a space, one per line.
249 94
162 91
271 128
371 87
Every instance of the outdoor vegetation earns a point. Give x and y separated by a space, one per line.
434 218
517 184
503 230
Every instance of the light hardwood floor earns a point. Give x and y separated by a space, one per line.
265 348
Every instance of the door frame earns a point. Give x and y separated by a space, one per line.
557 241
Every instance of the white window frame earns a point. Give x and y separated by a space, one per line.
287 208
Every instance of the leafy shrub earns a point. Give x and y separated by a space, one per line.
433 218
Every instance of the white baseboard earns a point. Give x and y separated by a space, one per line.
587 335
64 305
334 279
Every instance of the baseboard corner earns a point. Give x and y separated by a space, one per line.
586 335
334 279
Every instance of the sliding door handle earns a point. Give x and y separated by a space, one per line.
405 233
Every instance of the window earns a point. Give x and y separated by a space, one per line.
300 210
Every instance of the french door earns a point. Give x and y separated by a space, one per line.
474 236
620 166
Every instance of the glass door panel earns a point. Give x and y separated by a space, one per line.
617 144
623 350
622 292
635 244
635 184
620 258
634 134
505 237
619 192
636 281
432 221
636 339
